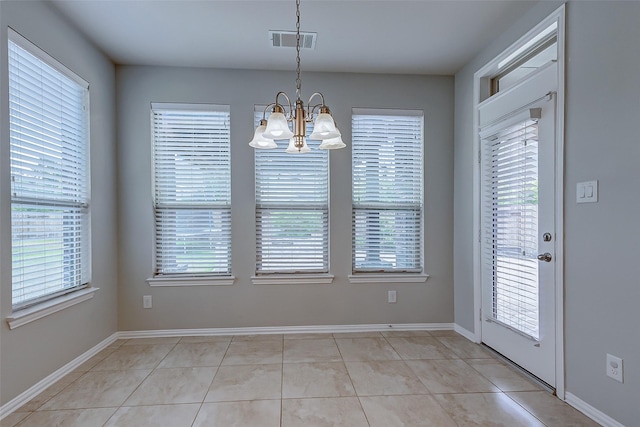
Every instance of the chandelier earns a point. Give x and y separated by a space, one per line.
277 126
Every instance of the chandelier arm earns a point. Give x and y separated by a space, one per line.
312 109
264 113
288 101
317 94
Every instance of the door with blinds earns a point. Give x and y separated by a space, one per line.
517 138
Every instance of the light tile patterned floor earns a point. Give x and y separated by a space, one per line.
393 378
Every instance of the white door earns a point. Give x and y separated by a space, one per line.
517 138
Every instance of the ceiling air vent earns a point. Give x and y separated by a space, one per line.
288 39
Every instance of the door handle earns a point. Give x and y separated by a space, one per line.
545 257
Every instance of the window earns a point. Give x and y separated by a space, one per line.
510 222
292 210
387 187
192 178
49 139
536 53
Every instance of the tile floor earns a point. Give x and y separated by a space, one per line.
386 379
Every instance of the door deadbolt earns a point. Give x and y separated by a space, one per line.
546 257
546 237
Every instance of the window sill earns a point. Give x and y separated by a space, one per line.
293 279
388 278
31 314
161 281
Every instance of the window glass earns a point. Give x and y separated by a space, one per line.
541 50
48 132
387 191
192 200
292 209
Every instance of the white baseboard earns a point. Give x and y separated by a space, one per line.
286 330
590 411
465 333
46 382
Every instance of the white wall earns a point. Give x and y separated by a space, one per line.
31 352
601 240
245 304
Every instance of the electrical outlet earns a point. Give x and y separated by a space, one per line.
392 297
146 301
614 368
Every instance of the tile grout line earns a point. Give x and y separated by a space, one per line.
523 407
81 375
143 380
352 384
211 383
483 376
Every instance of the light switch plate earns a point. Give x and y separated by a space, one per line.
587 192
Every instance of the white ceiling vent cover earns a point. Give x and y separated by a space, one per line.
288 39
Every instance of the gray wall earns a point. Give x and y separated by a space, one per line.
31 352
602 289
245 304
601 240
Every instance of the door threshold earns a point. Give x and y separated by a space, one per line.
521 370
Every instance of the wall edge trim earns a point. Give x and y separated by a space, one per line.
285 330
465 333
590 411
50 379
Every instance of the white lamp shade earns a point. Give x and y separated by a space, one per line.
324 128
292 149
277 127
260 141
332 143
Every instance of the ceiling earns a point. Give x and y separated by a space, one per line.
373 36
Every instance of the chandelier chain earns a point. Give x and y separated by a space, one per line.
298 80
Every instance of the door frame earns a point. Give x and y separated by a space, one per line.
481 91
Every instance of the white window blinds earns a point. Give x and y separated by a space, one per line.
510 224
48 132
387 187
191 152
292 210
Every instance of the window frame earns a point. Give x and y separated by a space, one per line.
171 279
77 199
547 34
537 49
380 275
